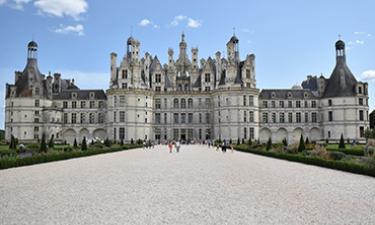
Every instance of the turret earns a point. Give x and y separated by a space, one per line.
233 49
183 47
113 67
194 57
170 57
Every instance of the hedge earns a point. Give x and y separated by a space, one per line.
338 165
15 161
348 151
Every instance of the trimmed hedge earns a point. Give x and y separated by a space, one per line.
15 161
348 151
338 165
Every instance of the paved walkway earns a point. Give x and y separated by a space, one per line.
196 186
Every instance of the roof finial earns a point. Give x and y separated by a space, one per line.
234 31
339 36
182 36
131 31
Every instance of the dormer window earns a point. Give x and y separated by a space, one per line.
92 95
306 95
290 95
273 95
37 91
359 90
74 95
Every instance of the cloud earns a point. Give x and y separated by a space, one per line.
368 75
61 8
145 23
190 22
362 33
2 2
77 29
360 42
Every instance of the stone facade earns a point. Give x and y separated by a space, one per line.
185 99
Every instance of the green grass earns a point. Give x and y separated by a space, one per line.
349 149
343 165
55 155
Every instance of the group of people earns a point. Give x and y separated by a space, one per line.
148 144
176 144
221 145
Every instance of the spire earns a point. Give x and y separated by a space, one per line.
183 46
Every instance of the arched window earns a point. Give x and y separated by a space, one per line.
183 103
175 103
190 103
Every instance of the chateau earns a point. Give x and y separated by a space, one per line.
187 98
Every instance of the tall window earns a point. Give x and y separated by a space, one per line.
244 116
115 116
83 118
65 104
190 118
290 117
298 104
329 102
281 104
157 78
92 118
122 116
290 104
313 117
183 117
251 132
265 104
207 78
158 103
282 117
122 100
265 117
100 118
207 117
330 116
65 118
306 117
251 116
37 103
175 117
74 118
247 74
313 104
122 133
273 117
200 118
74 104
124 74
244 100
298 117
306 104
165 118
361 117
175 103
83 104
360 101
190 103
92 104
157 118
251 100
183 103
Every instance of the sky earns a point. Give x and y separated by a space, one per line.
291 38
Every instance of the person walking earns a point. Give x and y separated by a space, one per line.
178 145
170 147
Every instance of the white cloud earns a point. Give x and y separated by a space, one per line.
156 26
192 23
360 42
77 29
61 8
368 75
362 33
177 20
2 2
145 23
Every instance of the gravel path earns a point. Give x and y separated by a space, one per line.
196 186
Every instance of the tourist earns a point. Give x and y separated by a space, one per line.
144 144
178 145
170 147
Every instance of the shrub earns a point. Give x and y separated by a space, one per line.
13 144
51 142
84 144
285 142
342 142
238 141
75 145
107 142
131 141
335 155
320 151
250 142
122 142
269 144
43 144
301 146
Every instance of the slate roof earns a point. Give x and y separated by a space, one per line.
283 94
81 95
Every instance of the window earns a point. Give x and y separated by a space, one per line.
183 117
207 88
37 103
290 104
247 74
207 117
158 78
122 116
244 100
313 117
306 104
208 102
36 113
359 90
251 100
251 132
83 118
122 100
36 129
298 104
165 103
124 85
175 103
200 117
114 134
183 103
92 118
175 117
281 104
190 103
158 89
115 116
244 116
265 104
74 118
207 78
361 132
124 74
122 133
83 104
65 118
251 116
282 117
313 104
92 104
245 133
360 101
290 117
330 116
165 118
329 102
37 91
273 104
265 117
100 118
273 117
36 120
158 103
101 104
190 118
306 117
298 117
361 117
115 101
157 118
74 104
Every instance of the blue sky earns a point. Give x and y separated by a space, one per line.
290 38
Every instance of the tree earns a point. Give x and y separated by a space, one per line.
238 141
122 142
368 134
43 144
107 142
84 144
285 142
269 144
301 146
250 142
342 142
12 144
131 141
307 141
51 142
75 145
